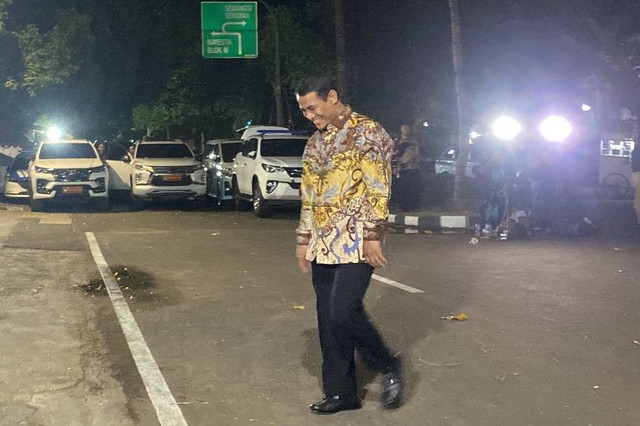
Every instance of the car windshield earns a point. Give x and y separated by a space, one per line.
229 151
20 163
163 150
63 150
283 147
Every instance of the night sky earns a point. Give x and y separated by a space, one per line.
516 54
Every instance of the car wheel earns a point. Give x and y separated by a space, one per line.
239 204
37 205
261 206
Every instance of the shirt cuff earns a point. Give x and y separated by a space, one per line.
374 233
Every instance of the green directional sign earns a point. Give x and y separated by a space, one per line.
230 29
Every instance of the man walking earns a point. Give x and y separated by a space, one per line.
345 192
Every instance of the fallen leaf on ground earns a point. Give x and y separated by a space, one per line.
436 364
636 342
460 317
618 249
299 307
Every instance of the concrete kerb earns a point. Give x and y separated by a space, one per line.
432 223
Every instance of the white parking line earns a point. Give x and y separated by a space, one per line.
167 411
396 284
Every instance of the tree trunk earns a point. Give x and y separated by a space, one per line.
341 51
463 136
277 84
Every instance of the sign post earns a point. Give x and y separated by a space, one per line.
229 29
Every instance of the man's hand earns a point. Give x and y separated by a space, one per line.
303 263
373 254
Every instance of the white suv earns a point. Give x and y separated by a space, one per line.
267 172
166 170
68 170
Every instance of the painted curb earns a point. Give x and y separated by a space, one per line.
443 222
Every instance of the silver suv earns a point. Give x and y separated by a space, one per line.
218 163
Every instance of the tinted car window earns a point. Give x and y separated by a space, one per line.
283 147
115 152
163 151
449 154
21 162
211 150
67 150
248 146
229 151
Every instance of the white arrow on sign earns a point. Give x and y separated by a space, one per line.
213 33
241 23
239 35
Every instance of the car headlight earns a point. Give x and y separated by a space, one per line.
99 169
143 168
270 168
44 170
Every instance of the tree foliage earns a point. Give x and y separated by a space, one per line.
54 57
4 4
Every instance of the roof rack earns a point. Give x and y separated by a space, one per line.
286 132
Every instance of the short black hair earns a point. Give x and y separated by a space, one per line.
321 85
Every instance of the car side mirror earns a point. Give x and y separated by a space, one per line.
251 154
126 158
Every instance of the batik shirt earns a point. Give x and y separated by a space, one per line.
345 189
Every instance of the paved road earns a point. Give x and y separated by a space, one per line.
231 323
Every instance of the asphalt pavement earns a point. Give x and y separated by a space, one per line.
550 335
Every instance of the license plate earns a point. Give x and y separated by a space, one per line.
172 178
72 190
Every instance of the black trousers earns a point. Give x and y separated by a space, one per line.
408 189
344 326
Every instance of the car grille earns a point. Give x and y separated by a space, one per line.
294 185
71 175
177 170
294 172
158 181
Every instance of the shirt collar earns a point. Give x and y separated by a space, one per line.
343 119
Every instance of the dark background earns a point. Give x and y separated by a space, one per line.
518 55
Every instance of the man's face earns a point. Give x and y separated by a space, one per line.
321 112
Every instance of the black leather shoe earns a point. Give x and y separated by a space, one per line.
392 386
333 404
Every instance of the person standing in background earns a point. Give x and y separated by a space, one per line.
406 169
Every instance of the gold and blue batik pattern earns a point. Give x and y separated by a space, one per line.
345 189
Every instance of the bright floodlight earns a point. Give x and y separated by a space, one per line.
555 128
586 107
474 135
506 128
54 134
